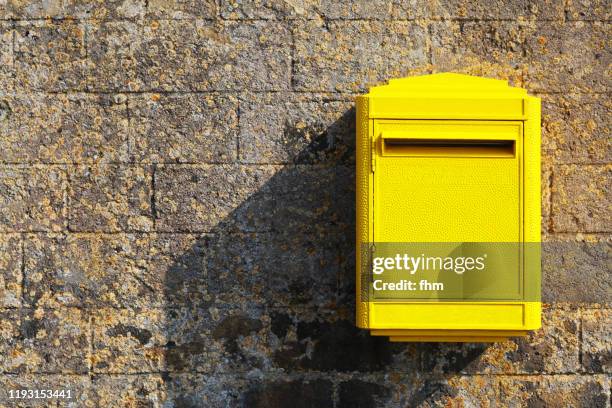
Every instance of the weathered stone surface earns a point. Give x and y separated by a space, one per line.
589 10
209 269
10 265
189 181
276 9
299 269
499 9
127 341
70 9
322 340
358 393
111 55
28 9
50 55
64 128
451 391
303 394
596 340
304 199
552 349
267 9
109 198
576 128
179 9
191 128
576 270
555 391
489 49
351 55
374 10
118 391
178 340
232 269
526 51
209 198
90 270
105 9
7 66
32 198
569 57
183 55
77 386
200 390
581 197
44 341
296 129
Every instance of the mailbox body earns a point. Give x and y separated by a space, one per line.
449 158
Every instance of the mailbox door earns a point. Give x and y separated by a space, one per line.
452 182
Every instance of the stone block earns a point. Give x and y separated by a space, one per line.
299 270
32 198
44 341
267 9
105 9
21 9
352 55
303 393
128 341
182 9
90 270
278 128
576 270
189 55
304 198
179 128
64 128
449 391
580 198
119 391
499 9
110 198
50 55
576 128
555 391
213 198
569 57
200 390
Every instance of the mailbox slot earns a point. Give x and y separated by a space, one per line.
447 148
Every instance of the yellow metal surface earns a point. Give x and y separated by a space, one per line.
448 158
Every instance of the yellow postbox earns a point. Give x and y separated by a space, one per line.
448 209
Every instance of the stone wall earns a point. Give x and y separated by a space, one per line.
177 200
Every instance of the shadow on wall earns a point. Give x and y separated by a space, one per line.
267 297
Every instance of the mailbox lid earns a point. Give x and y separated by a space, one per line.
447 96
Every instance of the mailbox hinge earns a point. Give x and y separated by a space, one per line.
373 155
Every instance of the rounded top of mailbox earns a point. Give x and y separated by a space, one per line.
445 83
447 96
